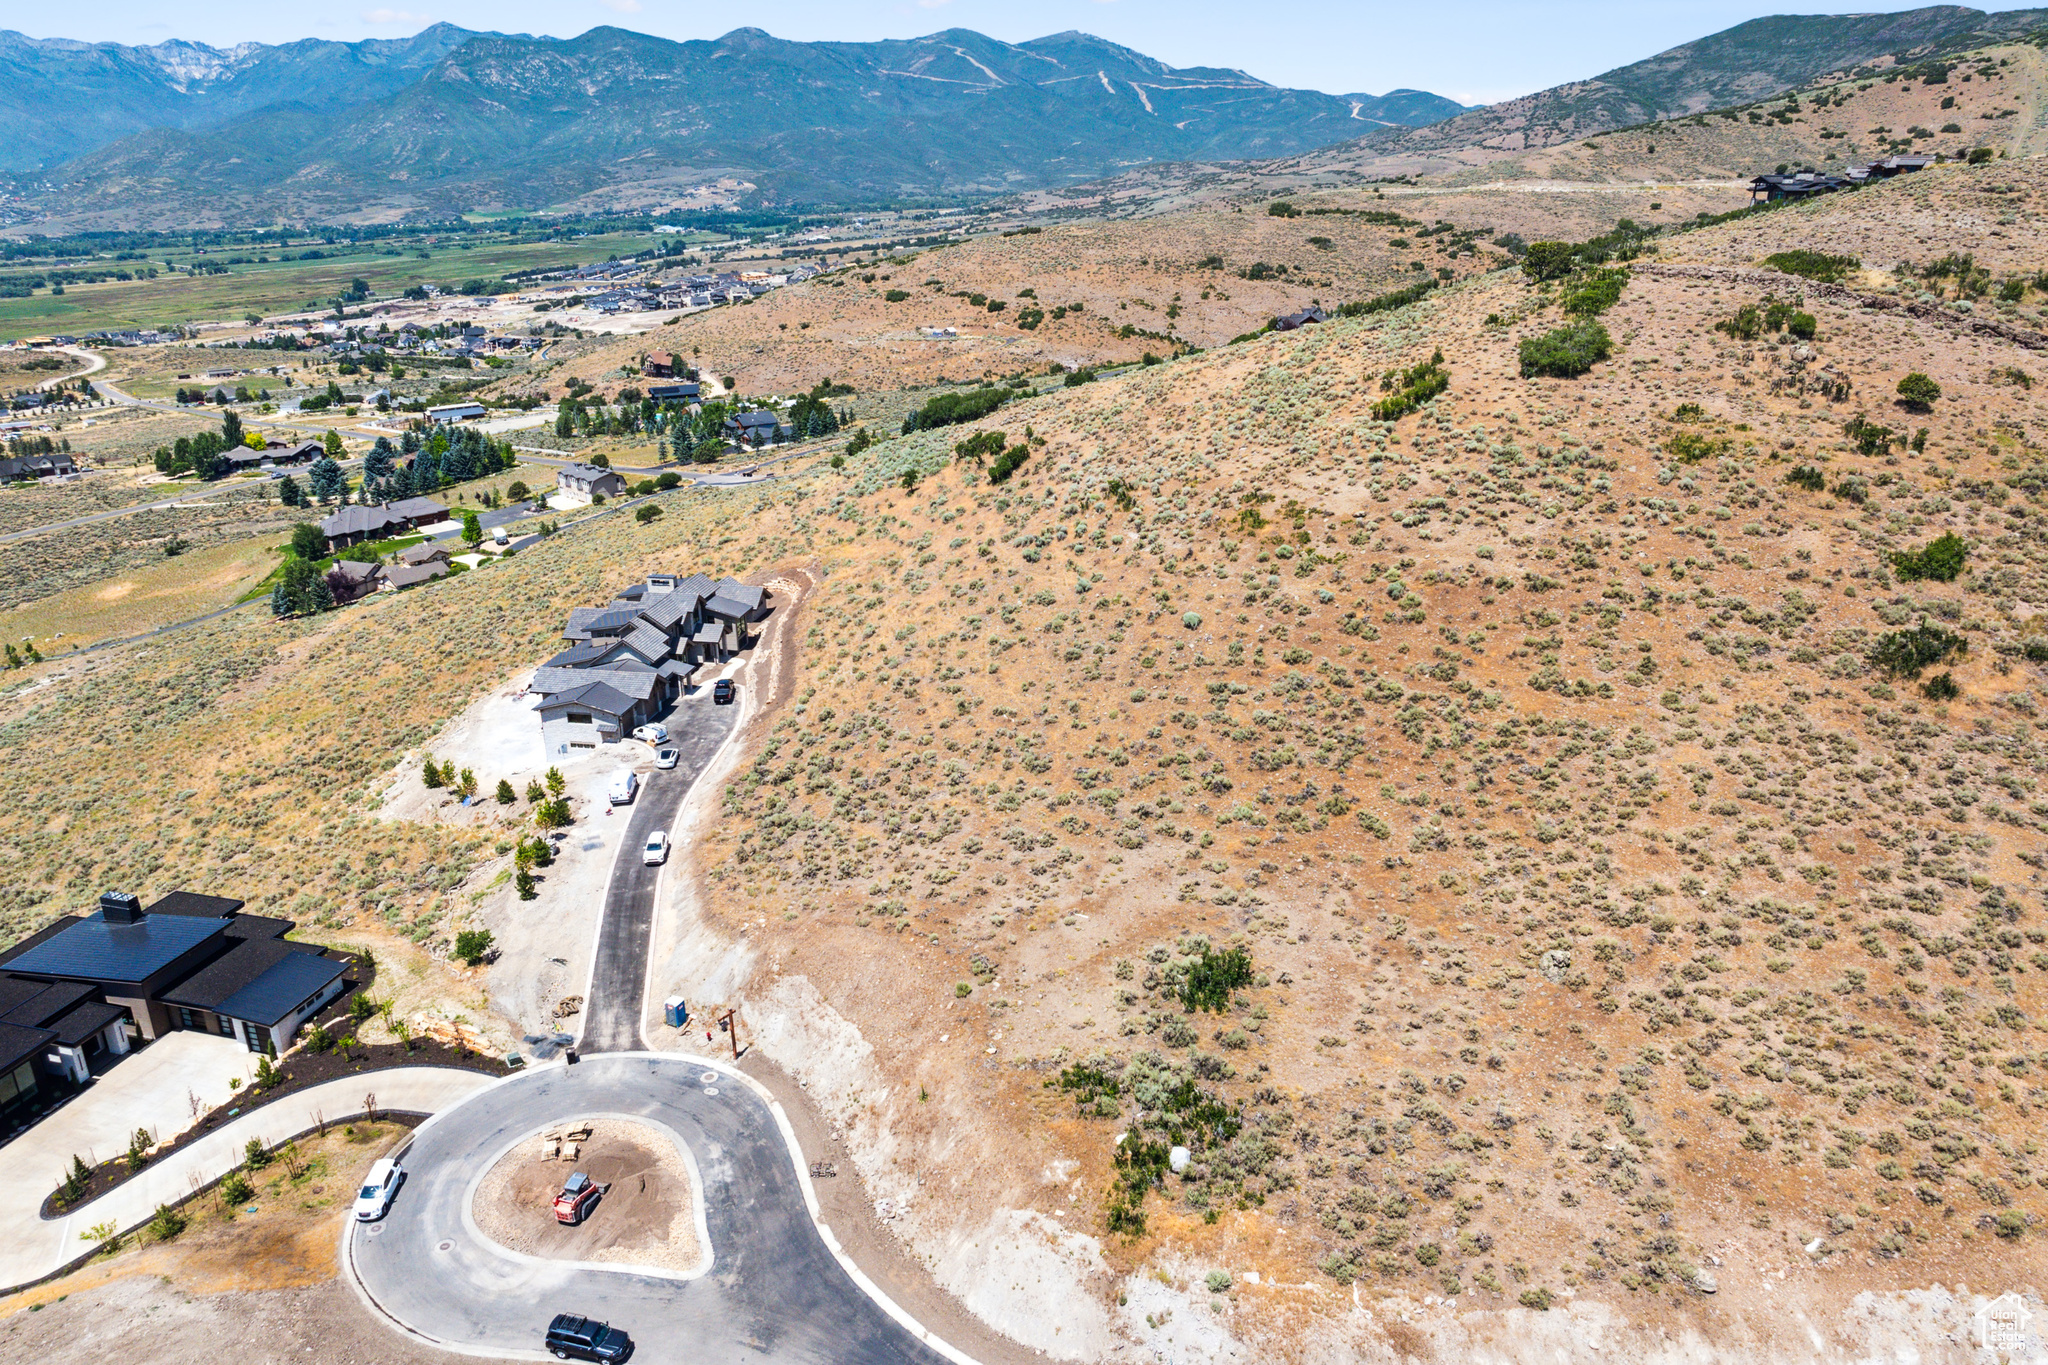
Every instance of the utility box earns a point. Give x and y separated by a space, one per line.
674 1012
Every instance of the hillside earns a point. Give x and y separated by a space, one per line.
1637 944
526 123
1721 110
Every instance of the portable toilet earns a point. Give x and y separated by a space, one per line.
674 1012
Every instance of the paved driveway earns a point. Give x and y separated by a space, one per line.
618 973
152 1089
31 1247
775 1292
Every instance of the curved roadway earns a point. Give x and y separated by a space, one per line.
775 1292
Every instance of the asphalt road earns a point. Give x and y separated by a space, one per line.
618 972
774 1294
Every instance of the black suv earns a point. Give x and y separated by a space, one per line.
574 1338
723 691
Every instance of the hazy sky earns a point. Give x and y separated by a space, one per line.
1475 51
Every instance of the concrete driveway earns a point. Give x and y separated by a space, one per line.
778 1291
32 1247
163 1088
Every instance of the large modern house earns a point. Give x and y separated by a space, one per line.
84 988
628 660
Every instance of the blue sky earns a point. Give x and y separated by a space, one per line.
1475 51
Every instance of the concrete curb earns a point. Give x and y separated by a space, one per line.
881 1299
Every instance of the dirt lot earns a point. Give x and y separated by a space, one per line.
646 1216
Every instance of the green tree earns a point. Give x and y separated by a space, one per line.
167 1224
1918 392
1549 260
472 527
430 773
524 882
289 493
332 440
307 542
231 430
557 784
471 945
506 796
465 785
325 478
138 1149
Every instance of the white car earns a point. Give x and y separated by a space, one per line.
652 732
624 786
373 1200
666 758
656 852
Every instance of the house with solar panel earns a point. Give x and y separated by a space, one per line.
84 990
628 661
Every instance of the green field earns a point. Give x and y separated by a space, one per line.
273 287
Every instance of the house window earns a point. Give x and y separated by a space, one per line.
187 1018
579 718
227 1026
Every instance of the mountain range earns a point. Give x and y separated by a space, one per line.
452 120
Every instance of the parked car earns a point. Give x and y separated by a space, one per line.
723 691
373 1200
666 758
652 732
574 1338
624 787
656 852
578 1197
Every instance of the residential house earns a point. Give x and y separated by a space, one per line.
658 365
354 525
1799 185
401 576
627 661
353 578
588 482
57 464
675 393
756 428
96 983
426 552
1307 317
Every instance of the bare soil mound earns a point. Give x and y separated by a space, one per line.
646 1216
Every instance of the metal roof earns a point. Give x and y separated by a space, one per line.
94 950
289 983
221 978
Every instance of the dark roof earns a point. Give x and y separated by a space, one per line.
597 696
352 521
580 655
192 903
418 507
48 1001
283 988
95 950
42 935
726 607
258 926
82 1023
18 1044
668 609
740 592
221 978
612 619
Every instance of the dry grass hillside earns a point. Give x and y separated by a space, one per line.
1657 172
1181 279
1622 920
1509 845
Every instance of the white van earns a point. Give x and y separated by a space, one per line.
624 786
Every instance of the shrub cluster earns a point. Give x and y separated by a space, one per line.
1411 388
1565 352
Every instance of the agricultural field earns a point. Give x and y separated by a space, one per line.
283 286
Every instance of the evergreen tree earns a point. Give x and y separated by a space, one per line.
321 594
380 462
231 430
280 605
325 478
289 493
